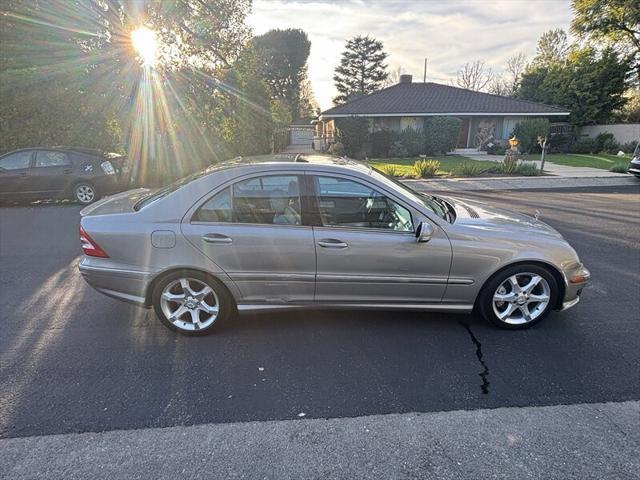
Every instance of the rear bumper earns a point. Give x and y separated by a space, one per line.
634 167
122 283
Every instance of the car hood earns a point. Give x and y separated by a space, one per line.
484 217
118 203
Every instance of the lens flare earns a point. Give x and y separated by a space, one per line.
145 43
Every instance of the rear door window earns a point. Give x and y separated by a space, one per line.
270 200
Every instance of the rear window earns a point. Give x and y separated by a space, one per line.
172 187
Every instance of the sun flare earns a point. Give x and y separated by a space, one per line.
145 43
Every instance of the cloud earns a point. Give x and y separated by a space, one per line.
449 33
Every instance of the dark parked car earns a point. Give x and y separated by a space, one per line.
61 172
634 165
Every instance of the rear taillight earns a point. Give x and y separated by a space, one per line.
90 247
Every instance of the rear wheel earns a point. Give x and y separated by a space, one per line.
519 296
191 303
85 193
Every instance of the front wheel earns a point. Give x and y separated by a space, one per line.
519 296
191 303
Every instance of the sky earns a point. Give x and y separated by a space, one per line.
448 32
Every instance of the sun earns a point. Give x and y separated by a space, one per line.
145 43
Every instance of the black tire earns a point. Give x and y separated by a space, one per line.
485 299
85 193
225 302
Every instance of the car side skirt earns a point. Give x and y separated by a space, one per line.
436 307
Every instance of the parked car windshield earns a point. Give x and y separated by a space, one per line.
435 204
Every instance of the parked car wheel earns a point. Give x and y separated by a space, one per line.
519 296
191 302
85 193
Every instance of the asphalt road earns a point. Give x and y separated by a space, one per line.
72 360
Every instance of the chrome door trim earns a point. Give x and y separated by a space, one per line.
380 279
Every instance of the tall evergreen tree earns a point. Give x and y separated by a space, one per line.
282 58
362 69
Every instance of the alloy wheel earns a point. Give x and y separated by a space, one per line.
84 193
189 304
521 298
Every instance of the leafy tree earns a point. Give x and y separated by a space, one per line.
362 69
553 48
282 57
590 83
617 22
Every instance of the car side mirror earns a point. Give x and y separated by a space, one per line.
424 232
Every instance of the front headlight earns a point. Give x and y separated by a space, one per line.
108 168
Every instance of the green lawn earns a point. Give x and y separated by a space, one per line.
594 160
448 163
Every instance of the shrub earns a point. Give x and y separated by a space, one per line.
425 168
585 145
391 170
509 165
398 150
413 141
469 169
441 134
606 142
496 149
560 142
628 147
353 133
528 132
336 149
619 167
528 169
381 143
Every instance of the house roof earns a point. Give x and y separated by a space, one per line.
422 99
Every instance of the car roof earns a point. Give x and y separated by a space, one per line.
288 160
90 151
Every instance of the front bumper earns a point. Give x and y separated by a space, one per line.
575 279
634 167
116 281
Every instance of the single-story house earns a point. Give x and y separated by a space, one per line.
407 104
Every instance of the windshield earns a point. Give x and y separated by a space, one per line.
435 204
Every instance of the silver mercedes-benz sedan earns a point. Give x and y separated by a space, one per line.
320 233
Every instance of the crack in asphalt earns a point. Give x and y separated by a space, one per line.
484 375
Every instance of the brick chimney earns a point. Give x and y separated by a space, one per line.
405 78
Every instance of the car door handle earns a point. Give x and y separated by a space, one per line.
217 238
332 243
67 171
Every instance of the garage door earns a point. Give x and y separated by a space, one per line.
301 136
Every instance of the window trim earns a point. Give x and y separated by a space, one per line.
34 159
383 192
230 183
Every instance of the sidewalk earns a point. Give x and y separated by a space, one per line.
523 183
583 441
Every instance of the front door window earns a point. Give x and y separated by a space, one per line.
346 203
